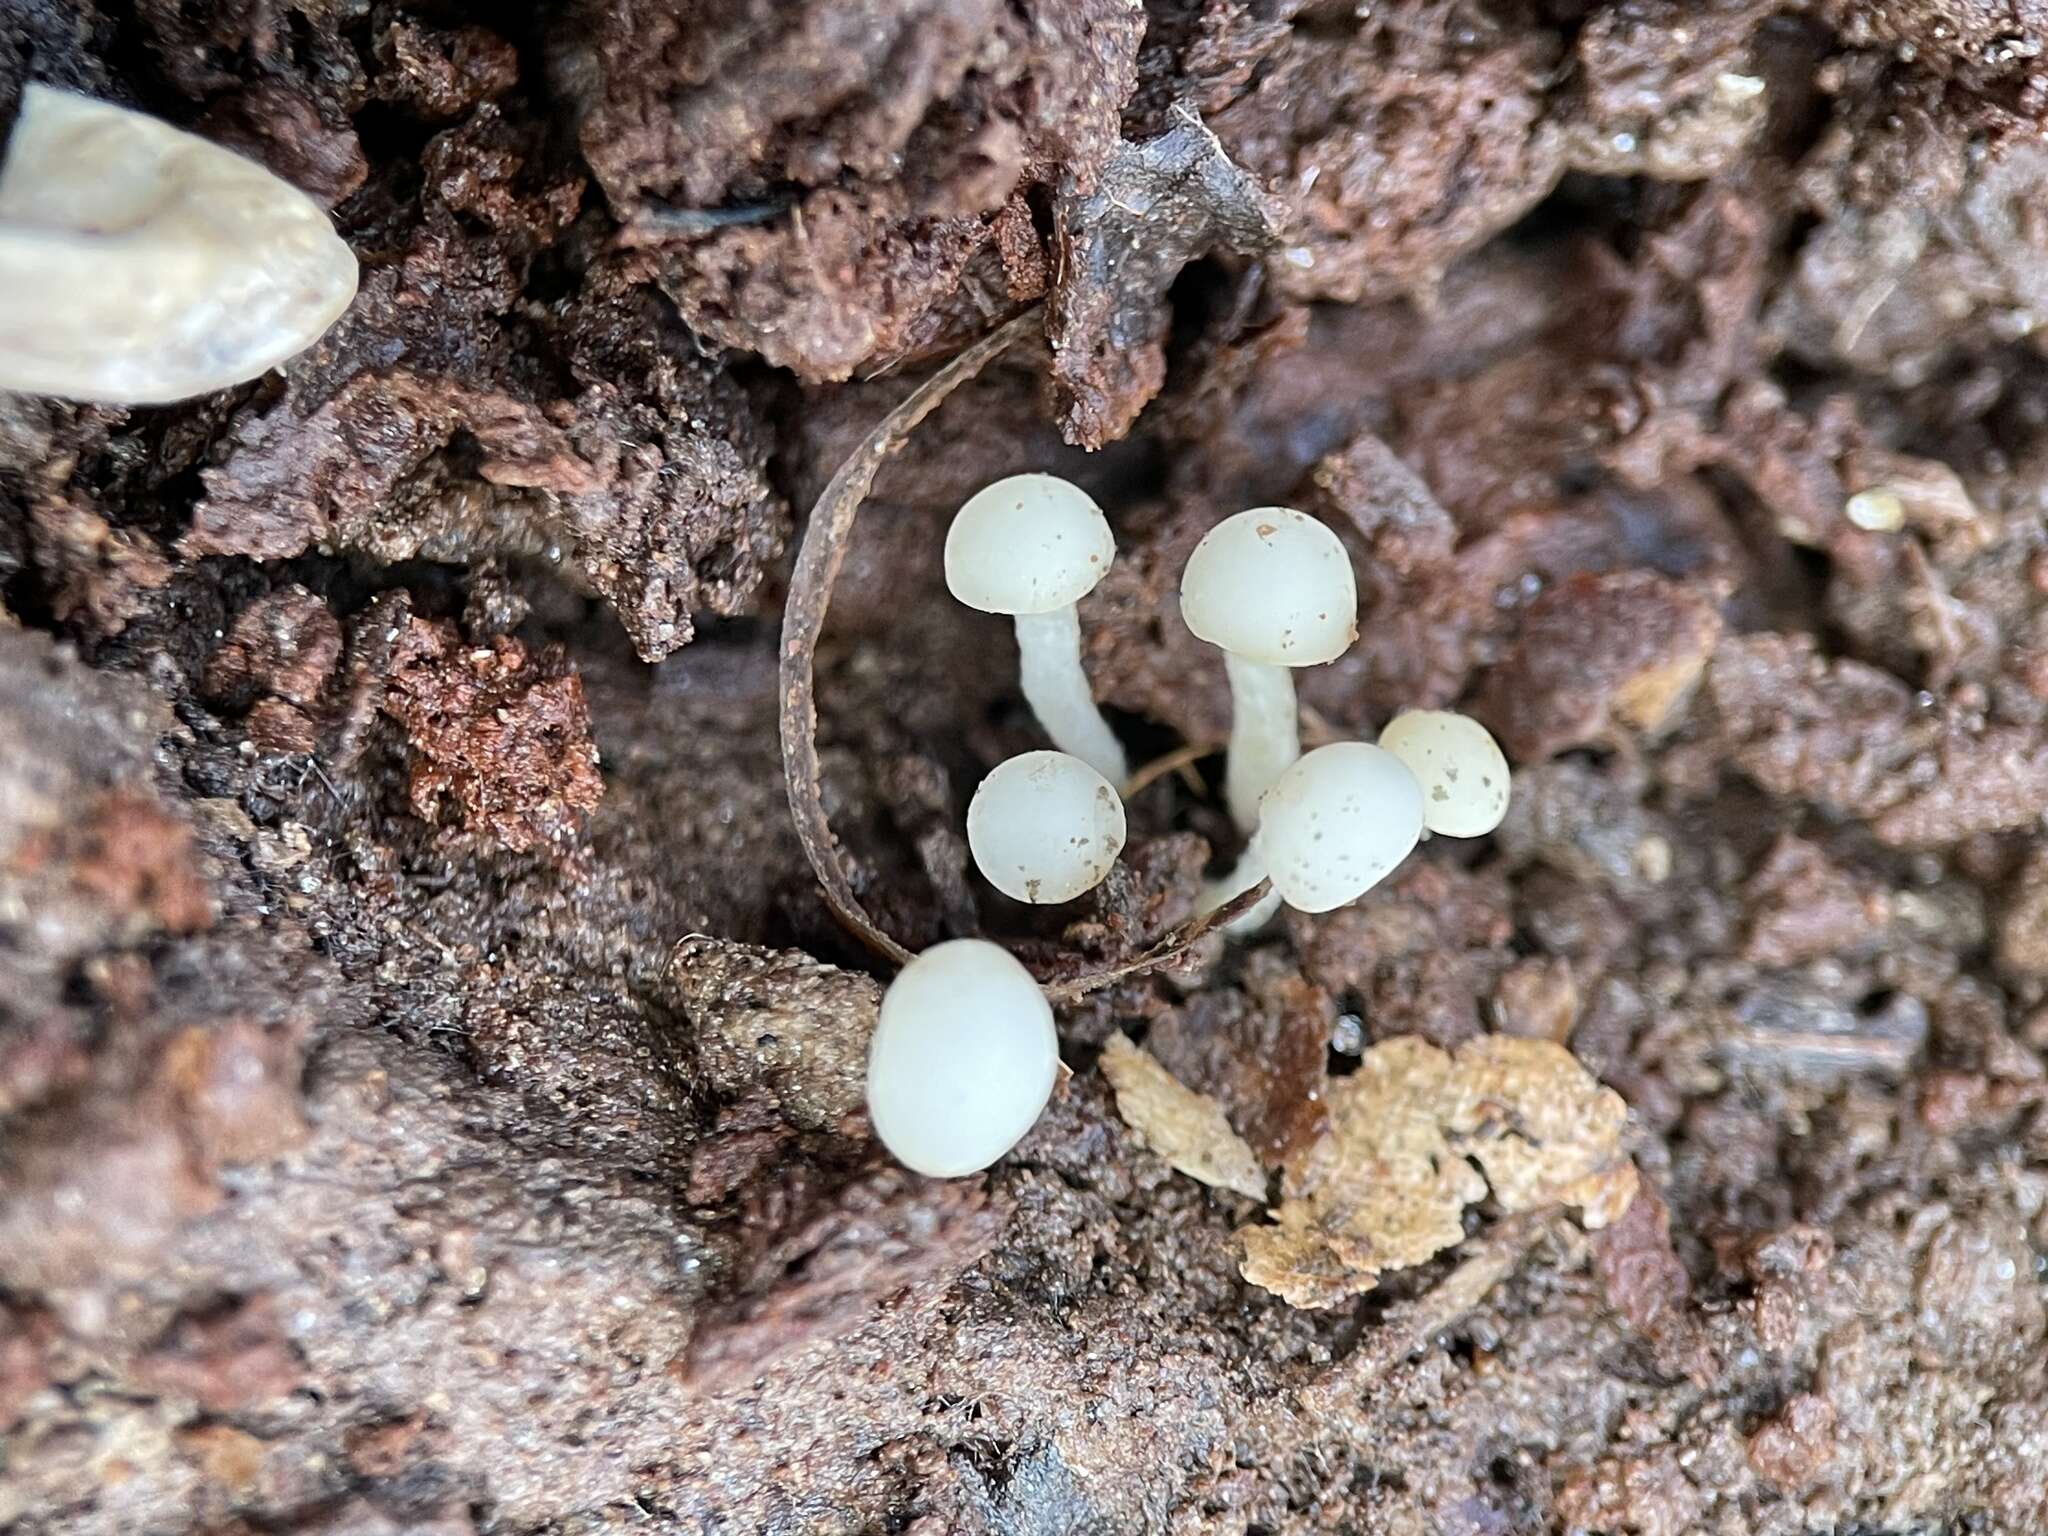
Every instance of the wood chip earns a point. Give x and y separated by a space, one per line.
1186 1128
1386 1185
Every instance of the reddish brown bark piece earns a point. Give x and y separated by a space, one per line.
1995 780
101 576
1835 733
413 431
290 481
501 735
1369 491
1793 1448
287 644
820 211
279 123
1804 906
1399 143
440 73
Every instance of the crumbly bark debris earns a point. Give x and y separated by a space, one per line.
501 735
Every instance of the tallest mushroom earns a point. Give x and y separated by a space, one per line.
1272 589
1032 546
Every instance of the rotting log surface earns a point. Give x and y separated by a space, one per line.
406 1127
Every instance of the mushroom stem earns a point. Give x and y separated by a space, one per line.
1224 889
1049 668
1265 733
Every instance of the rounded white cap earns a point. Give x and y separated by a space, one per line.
1336 823
1045 827
1273 585
1463 773
1027 544
963 1058
140 263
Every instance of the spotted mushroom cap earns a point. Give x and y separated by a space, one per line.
1273 585
1463 773
1027 544
1044 827
1336 823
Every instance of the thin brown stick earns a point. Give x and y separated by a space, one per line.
1172 762
818 561
1165 952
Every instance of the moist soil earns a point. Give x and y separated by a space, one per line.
430 1078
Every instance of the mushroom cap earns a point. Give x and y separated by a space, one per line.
1273 585
1027 544
963 1058
1336 823
1045 827
140 263
1463 773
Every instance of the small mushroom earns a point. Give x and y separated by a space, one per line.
1044 827
1463 773
1032 546
963 1058
1335 824
1273 589
141 264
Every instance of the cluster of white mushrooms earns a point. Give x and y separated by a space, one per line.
965 1053
141 264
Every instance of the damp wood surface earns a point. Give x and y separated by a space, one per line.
431 1069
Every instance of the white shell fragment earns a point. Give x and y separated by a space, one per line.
963 1058
1336 823
1027 544
141 264
1271 585
1463 773
1045 827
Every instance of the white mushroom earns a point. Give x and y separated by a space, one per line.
141 264
1463 773
1045 827
1334 825
1032 546
1273 589
963 1058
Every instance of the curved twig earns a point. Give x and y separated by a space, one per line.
818 560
